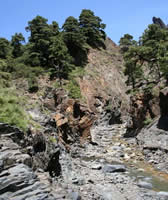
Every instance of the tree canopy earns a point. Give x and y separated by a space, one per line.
92 28
50 48
16 43
149 54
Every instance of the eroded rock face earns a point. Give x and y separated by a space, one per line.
17 180
104 83
154 138
164 102
54 167
73 120
143 107
39 143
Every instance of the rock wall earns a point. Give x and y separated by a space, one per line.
154 138
144 108
103 85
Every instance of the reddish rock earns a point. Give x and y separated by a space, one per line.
60 119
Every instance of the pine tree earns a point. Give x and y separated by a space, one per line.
16 43
4 48
92 28
60 60
75 40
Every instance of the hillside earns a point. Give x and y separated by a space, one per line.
83 118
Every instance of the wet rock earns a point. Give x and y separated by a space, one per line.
114 168
144 184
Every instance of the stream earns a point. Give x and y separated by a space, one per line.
111 138
88 170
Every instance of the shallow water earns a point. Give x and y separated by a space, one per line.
158 180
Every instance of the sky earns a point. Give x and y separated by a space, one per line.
120 16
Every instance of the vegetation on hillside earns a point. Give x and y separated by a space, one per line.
59 52
147 58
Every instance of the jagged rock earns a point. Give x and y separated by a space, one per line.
153 138
103 82
39 143
159 22
12 132
48 160
21 183
164 102
54 167
143 106
17 180
60 119
73 121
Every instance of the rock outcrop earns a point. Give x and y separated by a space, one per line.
17 180
159 22
73 120
144 107
103 84
154 137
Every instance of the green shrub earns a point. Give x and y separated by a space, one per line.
11 109
33 84
52 139
56 85
74 90
147 121
22 70
5 79
77 72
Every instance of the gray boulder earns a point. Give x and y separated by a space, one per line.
114 168
144 184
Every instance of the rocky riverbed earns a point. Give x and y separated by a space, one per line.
109 168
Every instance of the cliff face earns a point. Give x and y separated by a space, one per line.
103 84
103 91
153 138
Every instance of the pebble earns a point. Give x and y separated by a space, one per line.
96 166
